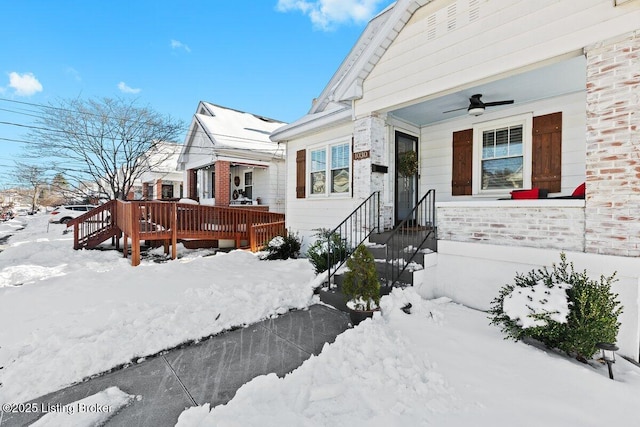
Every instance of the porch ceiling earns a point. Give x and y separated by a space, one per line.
560 78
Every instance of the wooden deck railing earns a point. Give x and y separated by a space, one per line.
171 221
93 225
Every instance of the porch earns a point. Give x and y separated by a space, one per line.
173 222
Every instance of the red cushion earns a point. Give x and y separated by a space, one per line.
533 193
579 191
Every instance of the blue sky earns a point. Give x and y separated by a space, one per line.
269 57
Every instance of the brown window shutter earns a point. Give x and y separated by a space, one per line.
462 163
546 162
192 184
301 173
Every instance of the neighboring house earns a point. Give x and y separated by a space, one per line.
161 179
572 70
229 159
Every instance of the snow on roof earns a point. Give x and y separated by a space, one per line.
235 129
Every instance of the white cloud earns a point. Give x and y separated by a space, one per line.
175 44
327 14
73 73
24 84
126 89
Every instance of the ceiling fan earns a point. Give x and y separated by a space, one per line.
476 106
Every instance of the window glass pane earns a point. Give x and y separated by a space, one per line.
340 156
488 141
318 160
503 173
515 141
318 180
502 142
340 181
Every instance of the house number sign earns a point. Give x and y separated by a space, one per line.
361 155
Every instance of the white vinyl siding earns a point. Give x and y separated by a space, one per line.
436 147
490 38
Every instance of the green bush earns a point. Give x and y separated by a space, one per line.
361 284
561 308
327 250
284 247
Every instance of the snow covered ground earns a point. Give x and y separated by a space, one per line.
68 314
441 365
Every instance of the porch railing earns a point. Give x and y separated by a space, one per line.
409 237
93 225
170 221
343 240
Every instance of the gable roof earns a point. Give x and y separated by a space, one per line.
334 104
234 131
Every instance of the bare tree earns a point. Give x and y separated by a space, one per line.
32 179
100 145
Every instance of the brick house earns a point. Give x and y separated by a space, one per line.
228 159
492 97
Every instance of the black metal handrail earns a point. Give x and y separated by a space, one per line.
343 240
409 237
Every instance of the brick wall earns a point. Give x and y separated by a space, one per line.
370 135
222 183
511 224
613 146
158 193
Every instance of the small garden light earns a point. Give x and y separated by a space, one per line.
608 354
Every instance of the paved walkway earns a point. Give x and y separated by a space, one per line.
207 372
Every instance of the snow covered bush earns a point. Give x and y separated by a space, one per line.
327 250
561 308
361 286
284 247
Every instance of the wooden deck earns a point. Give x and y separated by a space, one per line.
171 222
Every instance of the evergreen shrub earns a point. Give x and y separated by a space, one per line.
361 284
284 247
562 308
327 250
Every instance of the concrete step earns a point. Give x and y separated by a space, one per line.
335 298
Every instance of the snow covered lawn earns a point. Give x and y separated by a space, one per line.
66 315
441 365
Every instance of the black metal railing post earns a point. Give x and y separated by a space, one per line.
409 237
351 232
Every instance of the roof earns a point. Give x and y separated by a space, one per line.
346 84
234 129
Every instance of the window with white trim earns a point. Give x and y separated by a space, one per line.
330 170
502 155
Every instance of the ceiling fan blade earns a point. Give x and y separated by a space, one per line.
457 109
493 104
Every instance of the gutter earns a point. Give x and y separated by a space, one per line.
312 123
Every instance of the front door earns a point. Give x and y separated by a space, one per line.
406 175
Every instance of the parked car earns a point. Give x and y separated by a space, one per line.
64 214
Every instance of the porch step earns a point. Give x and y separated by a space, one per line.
103 235
335 297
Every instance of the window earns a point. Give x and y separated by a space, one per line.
340 168
502 158
318 171
502 155
167 191
329 170
248 185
